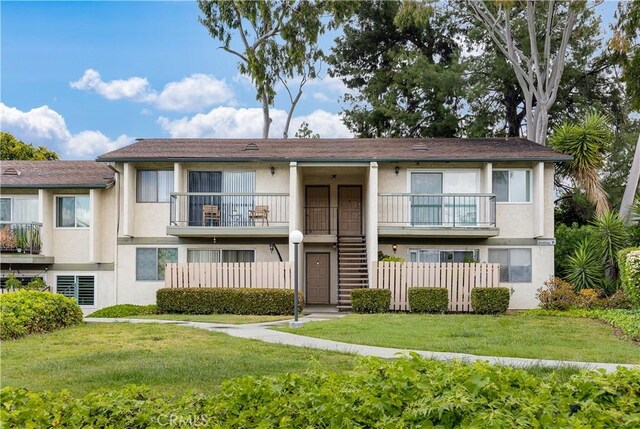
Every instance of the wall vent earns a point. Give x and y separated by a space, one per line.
419 146
251 146
10 172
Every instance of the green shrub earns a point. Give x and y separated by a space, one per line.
586 266
618 300
29 312
490 300
391 258
403 393
226 301
12 283
125 310
428 299
629 262
567 240
628 321
370 300
556 294
37 283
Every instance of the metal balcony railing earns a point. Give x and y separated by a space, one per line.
437 210
201 209
320 220
20 238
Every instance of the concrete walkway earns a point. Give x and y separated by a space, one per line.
261 332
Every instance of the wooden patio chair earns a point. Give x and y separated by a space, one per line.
210 213
259 212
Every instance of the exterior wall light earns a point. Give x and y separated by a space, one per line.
273 170
394 247
397 170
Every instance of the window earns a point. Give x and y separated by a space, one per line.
513 186
215 255
234 208
438 209
82 288
72 212
436 255
515 264
23 209
154 186
151 262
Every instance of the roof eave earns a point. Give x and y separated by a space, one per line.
212 159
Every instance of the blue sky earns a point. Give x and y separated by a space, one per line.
86 77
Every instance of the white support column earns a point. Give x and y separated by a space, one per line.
178 186
95 226
486 188
372 217
47 219
538 200
293 202
129 199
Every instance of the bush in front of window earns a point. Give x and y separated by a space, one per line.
428 300
125 310
32 312
370 300
37 283
257 301
490 300
12 283
629 262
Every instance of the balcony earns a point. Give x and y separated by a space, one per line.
20 243
199 214
437 215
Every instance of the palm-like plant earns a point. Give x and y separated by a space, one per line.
613 236
587 143
635 211
585 266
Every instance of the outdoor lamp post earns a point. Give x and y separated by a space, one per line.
296 238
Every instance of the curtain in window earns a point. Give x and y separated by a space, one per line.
235 209
203 255
83 215
426 210
238 256
501 185
25 210
147 186
165 185
203 181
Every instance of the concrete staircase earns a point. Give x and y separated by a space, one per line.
352 268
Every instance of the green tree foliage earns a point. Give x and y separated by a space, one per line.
400 60
304 132
612 235
567 240
274 40
587 142
14 149
585 267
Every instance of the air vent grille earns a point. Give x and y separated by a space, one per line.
419 146
10 172
251 146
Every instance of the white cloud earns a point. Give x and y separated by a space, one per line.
229 122
43 125
190 94
134 88
89 144
40 125
321 96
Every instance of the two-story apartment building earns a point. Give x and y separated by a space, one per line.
215 200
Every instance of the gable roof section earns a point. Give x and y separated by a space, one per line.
338 150
55 174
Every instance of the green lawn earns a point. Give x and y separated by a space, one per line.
231 319
538 337
174 359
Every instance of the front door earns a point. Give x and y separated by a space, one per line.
317 278
317 210
350 210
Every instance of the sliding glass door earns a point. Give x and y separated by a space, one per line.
450 200
232 210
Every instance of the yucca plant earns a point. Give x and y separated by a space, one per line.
585 267
613 236
587 143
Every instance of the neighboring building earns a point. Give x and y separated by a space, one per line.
57 221
206 200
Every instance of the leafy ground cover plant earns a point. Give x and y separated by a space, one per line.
125 310
404 393
628 321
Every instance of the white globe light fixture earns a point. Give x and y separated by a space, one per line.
296 238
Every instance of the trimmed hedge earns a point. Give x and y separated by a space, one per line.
226 301
125 310
403 393
428 299
629 263
31 312
490 300
370 300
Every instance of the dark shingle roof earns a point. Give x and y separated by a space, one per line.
435 149
55 174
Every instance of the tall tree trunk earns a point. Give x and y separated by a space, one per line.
512 118
265 117
632 186
294 102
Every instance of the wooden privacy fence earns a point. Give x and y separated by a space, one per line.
458 278
271 275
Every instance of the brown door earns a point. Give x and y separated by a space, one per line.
317 210
317 278
350 210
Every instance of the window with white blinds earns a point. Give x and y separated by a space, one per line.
217 255
82 288
154 186
19 209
